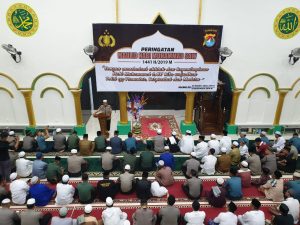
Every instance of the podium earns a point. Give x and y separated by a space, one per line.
102 122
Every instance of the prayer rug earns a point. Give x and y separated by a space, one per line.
150 125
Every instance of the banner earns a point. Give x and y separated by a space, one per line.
157 58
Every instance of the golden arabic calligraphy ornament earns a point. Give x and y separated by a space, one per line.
22 20
286 23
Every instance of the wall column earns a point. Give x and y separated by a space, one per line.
188 122
282 94
124 125
28 102
77 101
231 127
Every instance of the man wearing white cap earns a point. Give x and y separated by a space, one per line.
86 218
294 185
214 143
32 217
65 192
235 154
23 165
40 192
225 141
168 158
186 144
75 164
217 195
108 160
243 137
208 163
164 175
159 141
245 174
13 140
7 215
201 149
62 219
59 141
190 164
173 142
126 181
279 142
106 109
223 161
264 138
113 215
19 189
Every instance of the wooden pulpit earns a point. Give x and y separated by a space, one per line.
102 121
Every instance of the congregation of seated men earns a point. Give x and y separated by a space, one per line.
37 183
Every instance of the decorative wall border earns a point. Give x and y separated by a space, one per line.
51 89
260 89
7 91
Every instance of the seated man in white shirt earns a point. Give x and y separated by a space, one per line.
195 217
225 141
291 203
19 189
253 217
214 143
187 143
65 192
201 149
23 166
113 215
157 190
227 218
208 163
279 142
243 150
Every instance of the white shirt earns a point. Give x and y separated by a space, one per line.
201 149
293 205
209 164
244 150
65 193
226 143
215 144
113 216
186 144
279 144
19 190
226 218
254 217
24 167
195 218
157 190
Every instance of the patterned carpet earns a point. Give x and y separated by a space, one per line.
150 125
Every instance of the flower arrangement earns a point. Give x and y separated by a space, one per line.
135 105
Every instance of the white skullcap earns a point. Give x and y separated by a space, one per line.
104 101
58 130
5 201
223 149
188 132
126 222
74 151
34 180
127 167
296 174
235 143
220 180
65 178
158 131
31 201
193 154
263 132
167 147
88 208
244 164
161 163
11 133
63 211
109 201
213 136
243 132
22 154
278 133
174 133
13 176
108 148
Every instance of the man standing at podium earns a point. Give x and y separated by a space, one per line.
105 109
